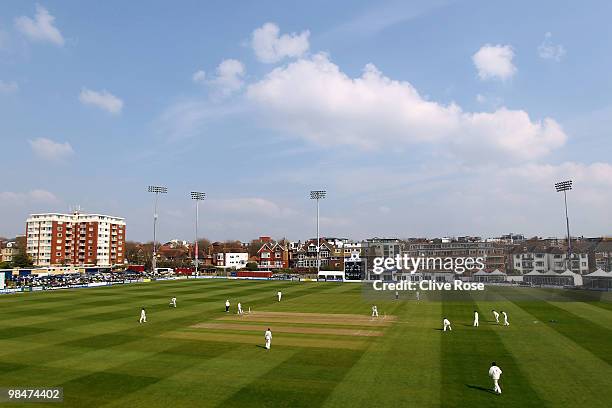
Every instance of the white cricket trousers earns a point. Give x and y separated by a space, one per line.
497 387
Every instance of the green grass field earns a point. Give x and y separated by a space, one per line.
90 343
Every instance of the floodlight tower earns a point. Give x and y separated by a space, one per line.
565 186
157 190
318 195
197 196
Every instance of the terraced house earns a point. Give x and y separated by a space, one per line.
273 255
545 255
305 255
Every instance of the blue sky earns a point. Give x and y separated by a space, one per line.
423 118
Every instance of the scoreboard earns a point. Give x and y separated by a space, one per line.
354 270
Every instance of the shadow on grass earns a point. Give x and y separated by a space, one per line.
478 387
260 346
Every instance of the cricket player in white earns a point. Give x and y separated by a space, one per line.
418 295
143 316
495 373
446 324
505 318
279 294
227 305
173 302
496 316
239 308
475 318
374 311
268 338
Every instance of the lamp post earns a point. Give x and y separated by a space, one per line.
318 195
197 196
157 190
565 186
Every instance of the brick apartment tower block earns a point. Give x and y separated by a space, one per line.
75 239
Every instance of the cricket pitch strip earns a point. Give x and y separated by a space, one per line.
324 330
313 318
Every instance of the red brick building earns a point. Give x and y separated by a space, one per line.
273 255
75 239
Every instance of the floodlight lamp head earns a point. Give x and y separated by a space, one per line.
317 194
158 189
563 186
197 195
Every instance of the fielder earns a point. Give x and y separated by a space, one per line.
475 318
268 338
418 295
239 308
505 318
227 305
173 302
495 373
143 316
280 295
496 316
446 324
374 311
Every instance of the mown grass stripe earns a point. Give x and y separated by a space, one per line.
542 350
587 334
467 353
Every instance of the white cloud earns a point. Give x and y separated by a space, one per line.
312 98
379 16
548 50
269 47
190 118
250 206
494 62
199 77
8 87
229 77
509 191
384 209
33 196
103 100
50 150
40 28
472 206
3 39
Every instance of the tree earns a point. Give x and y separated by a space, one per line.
203 245
251 266
254 247
22 260
5 265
